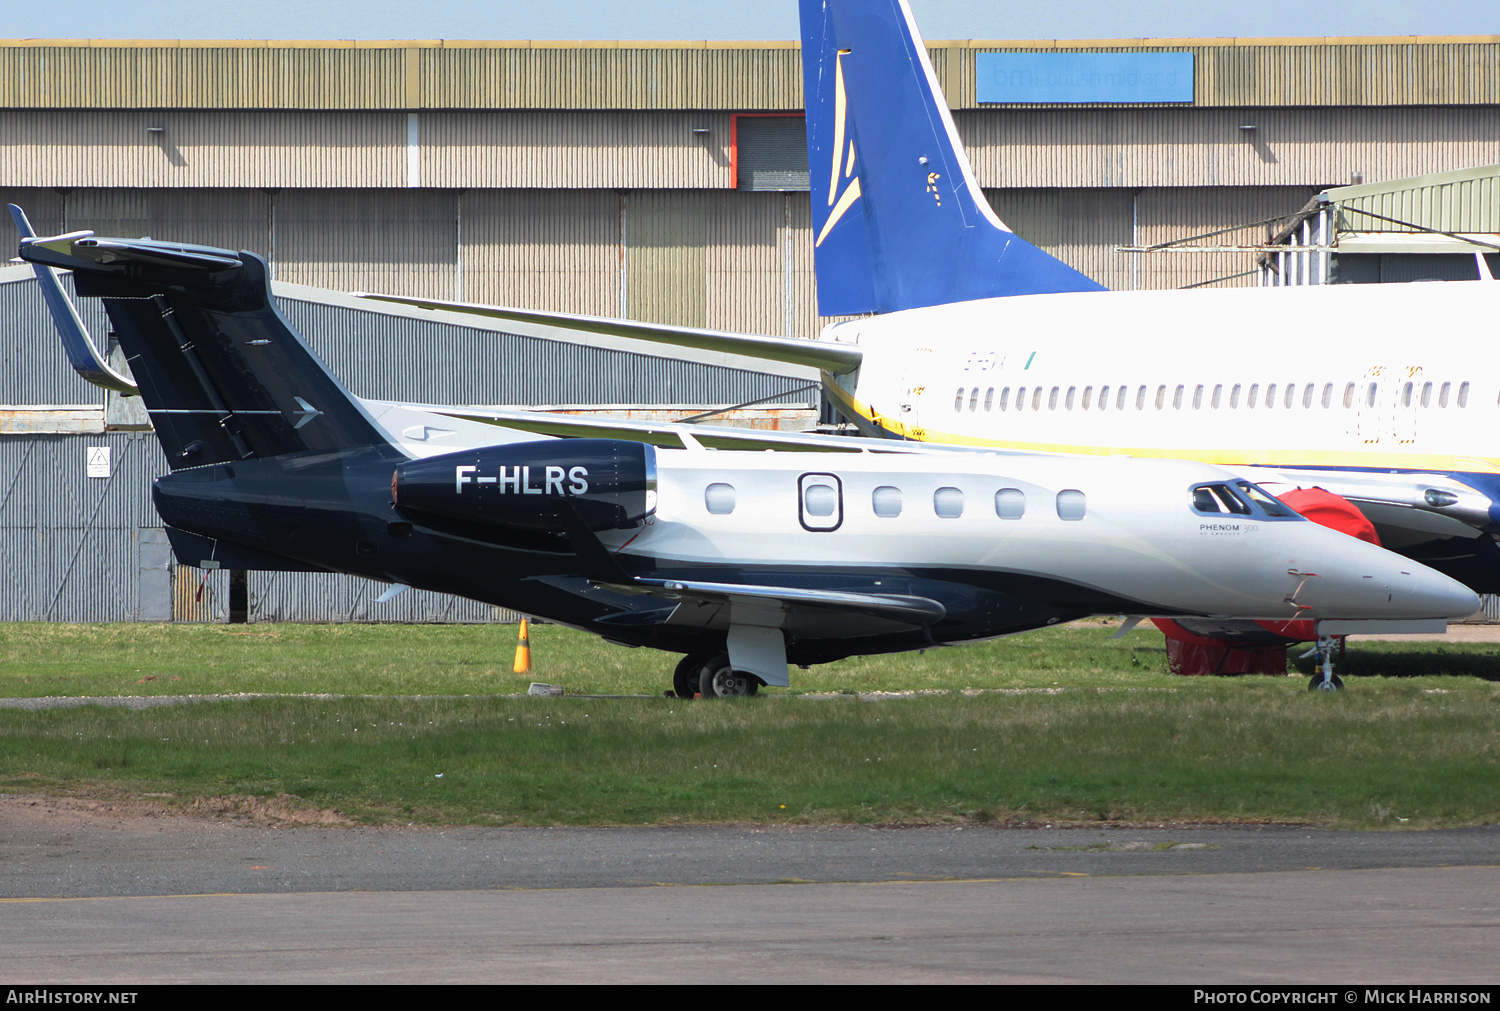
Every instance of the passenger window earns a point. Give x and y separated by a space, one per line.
1005 398
1406 395
1072 504
1254 389
819 499
989 398
1463 394
1307 395
1370 394
719 498
1161 397
1291 395
974 399
886 501
1426 394
1103 398
1036 398
958 400
1271 395
1010 503
1327 395
1068 401
1234 396
1020 398
1442 394
1052 399
1088 394
1120 400
1140 399
949 502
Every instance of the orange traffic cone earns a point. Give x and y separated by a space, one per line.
523 651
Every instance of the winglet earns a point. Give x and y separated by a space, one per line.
82 354
899 221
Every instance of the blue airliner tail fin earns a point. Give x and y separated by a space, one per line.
898 220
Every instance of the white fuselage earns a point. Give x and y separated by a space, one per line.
1131 531
1354 376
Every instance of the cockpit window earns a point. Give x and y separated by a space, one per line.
1241 498
1219 498
1269 504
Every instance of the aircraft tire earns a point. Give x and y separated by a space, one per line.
685 677
1316 684
721 681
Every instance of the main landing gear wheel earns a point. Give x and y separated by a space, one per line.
685 677
721 681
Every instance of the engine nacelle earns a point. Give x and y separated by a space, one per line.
609 483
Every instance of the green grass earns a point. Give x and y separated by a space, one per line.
1090 730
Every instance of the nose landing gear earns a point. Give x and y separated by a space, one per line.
1325 680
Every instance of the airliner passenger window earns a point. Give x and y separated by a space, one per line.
1177 398
1005 398
1140 399
1442 394
1370 394
1198 397
949 502
1426 394
1307 394
1271 395
1052 400
819 499
1463 394
1349 395
989 398
974 399
1327 395
1120 399
1218 393
886 501
1010 503
1072 504
1234 396
958 400
1020 398
1104 398
1088 393
1254 389
1291 394
1406 395
719 498
1068 400
1161 397
1036 397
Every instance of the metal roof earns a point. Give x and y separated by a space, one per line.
449 74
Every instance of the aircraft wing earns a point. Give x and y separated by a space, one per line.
830 357
679 435
904 609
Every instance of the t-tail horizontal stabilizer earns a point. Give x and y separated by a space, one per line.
898 219
80 349
222 373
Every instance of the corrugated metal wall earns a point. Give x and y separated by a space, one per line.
1079 147
1086 147
644 76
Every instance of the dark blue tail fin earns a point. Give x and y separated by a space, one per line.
223 374
898 220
